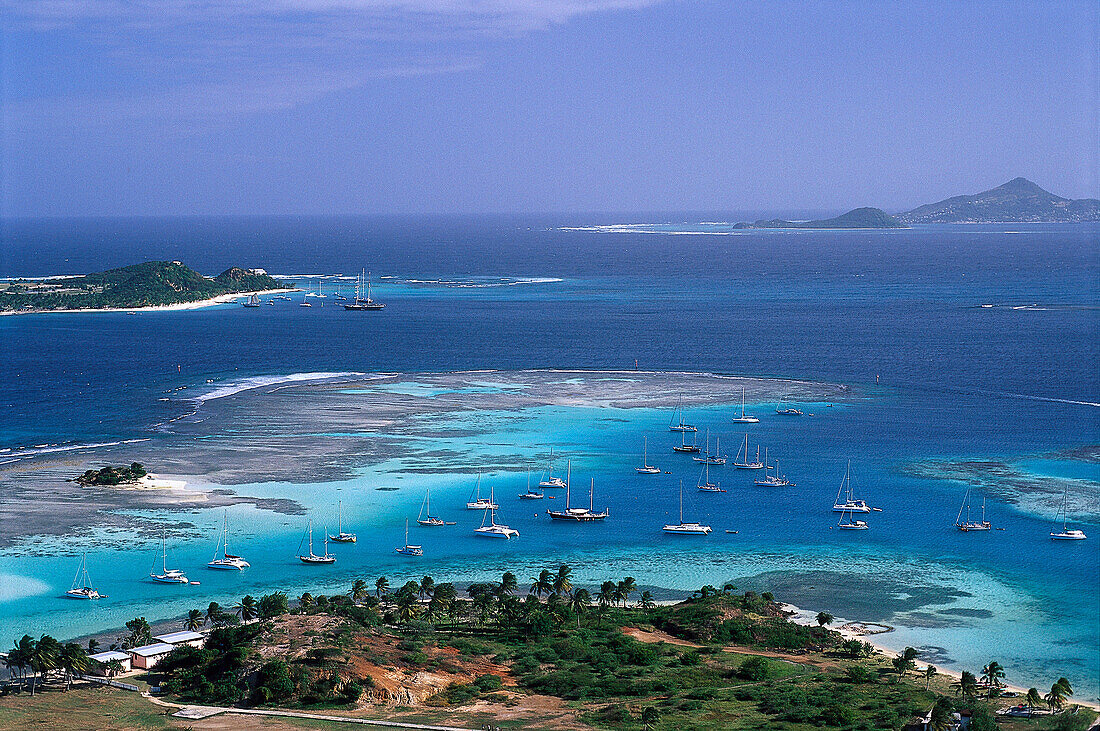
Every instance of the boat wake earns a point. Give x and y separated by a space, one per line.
9 455
247 384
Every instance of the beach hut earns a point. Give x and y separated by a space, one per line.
181 639
147 656
103 658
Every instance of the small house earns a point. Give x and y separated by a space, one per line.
182 639
104 658
147 656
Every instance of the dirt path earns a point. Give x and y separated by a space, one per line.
658 636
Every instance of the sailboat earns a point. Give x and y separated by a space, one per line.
408 550
252 301
531 494
849 523
788 411
646 468
82 584
772 479
704 481
579 515
360 303
311 557
686 529
1067 533
341 536
716 458
551 481
480 503
744 418
743 463
493 530
849 505
222 558
677 423
166 575
684 446
968 525
426 517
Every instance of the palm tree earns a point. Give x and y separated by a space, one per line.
646 602
1056 698
194 620
1067 689
901 664
824 619
580 603
19 656
650 716
213 612
247 609
929 673
967 685
114 667
1033 699
305 600
358 591
992 674
427 587
73 659
44 657
508 583
562 582
942 717
626 587
381 586
93 645
407 605
543 584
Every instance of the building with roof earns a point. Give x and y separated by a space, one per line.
147 656
180 639
103 658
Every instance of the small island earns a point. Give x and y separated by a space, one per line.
857 218
113 475
151 284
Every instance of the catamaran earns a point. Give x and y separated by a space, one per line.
849 505
166 575
968 525
788 411
704 480
252 301
580 515
311 557
744 418
341 536
743 463
222 558
849 523
360 303
551 481
646 468
772 479
684 446
686 529
480 503
82 583
426 517
493 530
408 550
677 423
531 494
1067 533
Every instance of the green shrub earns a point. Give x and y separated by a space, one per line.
754 668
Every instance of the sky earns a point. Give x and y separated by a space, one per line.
189 107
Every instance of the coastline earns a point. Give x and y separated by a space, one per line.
221 299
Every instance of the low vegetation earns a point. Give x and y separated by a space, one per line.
113 475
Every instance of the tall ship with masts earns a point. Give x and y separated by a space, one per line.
968 525
82 584
682 528
223 560
580 515
678 423
359 303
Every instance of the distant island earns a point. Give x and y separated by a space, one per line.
113 475
1017 201
858 218
152 284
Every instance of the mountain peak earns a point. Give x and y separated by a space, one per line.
1022 185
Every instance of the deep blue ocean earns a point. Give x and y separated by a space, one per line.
896 313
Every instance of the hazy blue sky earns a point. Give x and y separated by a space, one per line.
340 106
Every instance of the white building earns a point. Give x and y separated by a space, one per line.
180 639
147 656
108 656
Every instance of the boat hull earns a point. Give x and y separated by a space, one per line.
576 518
687 530
745 420
317 559
1075 535
495 532
410 551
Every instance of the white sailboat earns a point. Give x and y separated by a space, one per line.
551 482
742 462
849 505
704 481
311 557
341 536
166 575
493 530
580 515
771 479
1067 533
646 468
969 525
744 418
788 411
677 423
82 583
408 550
684 446
224 560
531 494
849 523
686 529
363 304
426 517
716 458
480 503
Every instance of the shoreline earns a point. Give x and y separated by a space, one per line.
220 299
